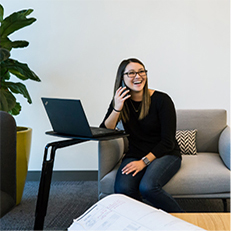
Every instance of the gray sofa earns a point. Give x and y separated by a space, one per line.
204 175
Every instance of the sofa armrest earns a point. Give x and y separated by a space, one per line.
110 153
224 146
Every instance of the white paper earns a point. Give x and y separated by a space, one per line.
119 212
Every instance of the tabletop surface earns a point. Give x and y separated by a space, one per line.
108 137
207 221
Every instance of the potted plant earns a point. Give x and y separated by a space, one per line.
8 102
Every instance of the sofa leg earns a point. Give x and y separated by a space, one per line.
225 204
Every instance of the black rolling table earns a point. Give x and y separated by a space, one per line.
47 170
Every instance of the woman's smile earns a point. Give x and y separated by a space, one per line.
137 83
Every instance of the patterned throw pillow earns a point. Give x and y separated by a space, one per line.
187 141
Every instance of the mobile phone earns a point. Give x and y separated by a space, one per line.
123 85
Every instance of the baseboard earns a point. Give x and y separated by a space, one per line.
65 176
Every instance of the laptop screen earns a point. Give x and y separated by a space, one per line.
67 116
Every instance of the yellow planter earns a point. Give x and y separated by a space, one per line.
22 159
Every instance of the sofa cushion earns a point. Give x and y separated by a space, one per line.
203 173
199 174
187 141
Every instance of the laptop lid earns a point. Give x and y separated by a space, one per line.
67 116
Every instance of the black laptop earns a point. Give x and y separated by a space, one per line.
68 117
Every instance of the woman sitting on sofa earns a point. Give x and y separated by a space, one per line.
149 117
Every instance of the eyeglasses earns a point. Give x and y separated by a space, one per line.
132 74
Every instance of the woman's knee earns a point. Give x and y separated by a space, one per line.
121 188
147 189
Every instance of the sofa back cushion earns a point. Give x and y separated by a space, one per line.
209 124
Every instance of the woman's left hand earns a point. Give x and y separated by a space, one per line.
134 166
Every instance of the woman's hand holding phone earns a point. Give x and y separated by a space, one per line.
120 96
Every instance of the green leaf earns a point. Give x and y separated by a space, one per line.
1 13
4 74
4 54
25 12
6 43
20 44
18 88
16 110
21 70
15 22
7 100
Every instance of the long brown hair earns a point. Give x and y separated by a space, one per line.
146 100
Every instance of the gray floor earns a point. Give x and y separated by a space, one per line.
70 199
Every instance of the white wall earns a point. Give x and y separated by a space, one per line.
76 47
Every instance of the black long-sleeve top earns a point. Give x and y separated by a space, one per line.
156 132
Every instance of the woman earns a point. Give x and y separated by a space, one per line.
149 117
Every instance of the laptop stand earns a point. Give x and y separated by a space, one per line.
47 170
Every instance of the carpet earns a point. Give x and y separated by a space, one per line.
69 199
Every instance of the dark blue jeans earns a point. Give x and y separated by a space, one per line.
148 183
